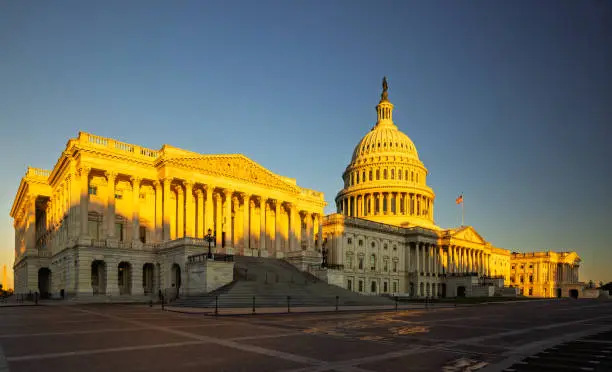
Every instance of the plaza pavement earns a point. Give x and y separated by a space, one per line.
139 338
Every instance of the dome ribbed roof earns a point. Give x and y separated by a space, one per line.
385 139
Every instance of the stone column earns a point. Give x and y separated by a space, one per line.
112 277
397 203
84 201
135 208
246 228
189 210
159 227
219 221
236 228
208 212
180 212
227 217
379 197
309 231
137 285
200 225
417 256
262 223
319 225
167 209
277 226
110 204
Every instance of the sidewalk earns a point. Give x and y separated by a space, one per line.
312 309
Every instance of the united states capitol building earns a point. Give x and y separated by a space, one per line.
117 219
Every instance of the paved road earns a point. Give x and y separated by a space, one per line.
139 338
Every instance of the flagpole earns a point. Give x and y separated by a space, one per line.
462 211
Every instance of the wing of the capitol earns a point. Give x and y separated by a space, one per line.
116 219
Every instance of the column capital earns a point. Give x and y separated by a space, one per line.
245 196
178 189
252 203
273 203
199 193
156 184
303 213
135 180
207 188
167 180
188 184
84 170
110 175
289 205
227 192
217 196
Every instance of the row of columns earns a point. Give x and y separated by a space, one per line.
564 273
371 204
464 259
204 207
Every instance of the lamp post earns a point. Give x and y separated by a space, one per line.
209 238
324 255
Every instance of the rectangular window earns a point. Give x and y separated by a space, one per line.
385 287
93 190
394 266
531 291
143 234
360 242
361 286
119 231
118 196
349 285
394 287
386 266
94 231
349 241
530 278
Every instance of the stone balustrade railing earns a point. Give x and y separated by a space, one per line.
117 146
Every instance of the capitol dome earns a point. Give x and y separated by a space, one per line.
385 180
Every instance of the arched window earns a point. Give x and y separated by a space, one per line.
399 174
406 174
373 262
373 288
385 174
363 178
360 263
392 174
417 178
377 174
411 176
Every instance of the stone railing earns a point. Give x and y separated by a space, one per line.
38 173
117 146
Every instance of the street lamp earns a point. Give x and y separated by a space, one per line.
324 255
209 238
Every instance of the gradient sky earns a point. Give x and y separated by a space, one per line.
507 102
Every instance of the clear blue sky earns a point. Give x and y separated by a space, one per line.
507 102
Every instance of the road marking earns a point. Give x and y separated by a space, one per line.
101 351
244 347
267 336
3 363
21 335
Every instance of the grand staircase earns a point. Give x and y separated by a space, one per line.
268 282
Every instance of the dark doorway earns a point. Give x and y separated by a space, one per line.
44 282
461 291
443 290
558 292
176 280
573 293
124 278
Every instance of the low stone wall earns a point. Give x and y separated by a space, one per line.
334 277
207 276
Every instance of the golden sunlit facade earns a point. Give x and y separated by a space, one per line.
544 274
383 237
115 218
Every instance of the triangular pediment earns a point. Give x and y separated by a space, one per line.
234 166
468 233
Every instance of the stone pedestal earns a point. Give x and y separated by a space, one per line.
204 276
